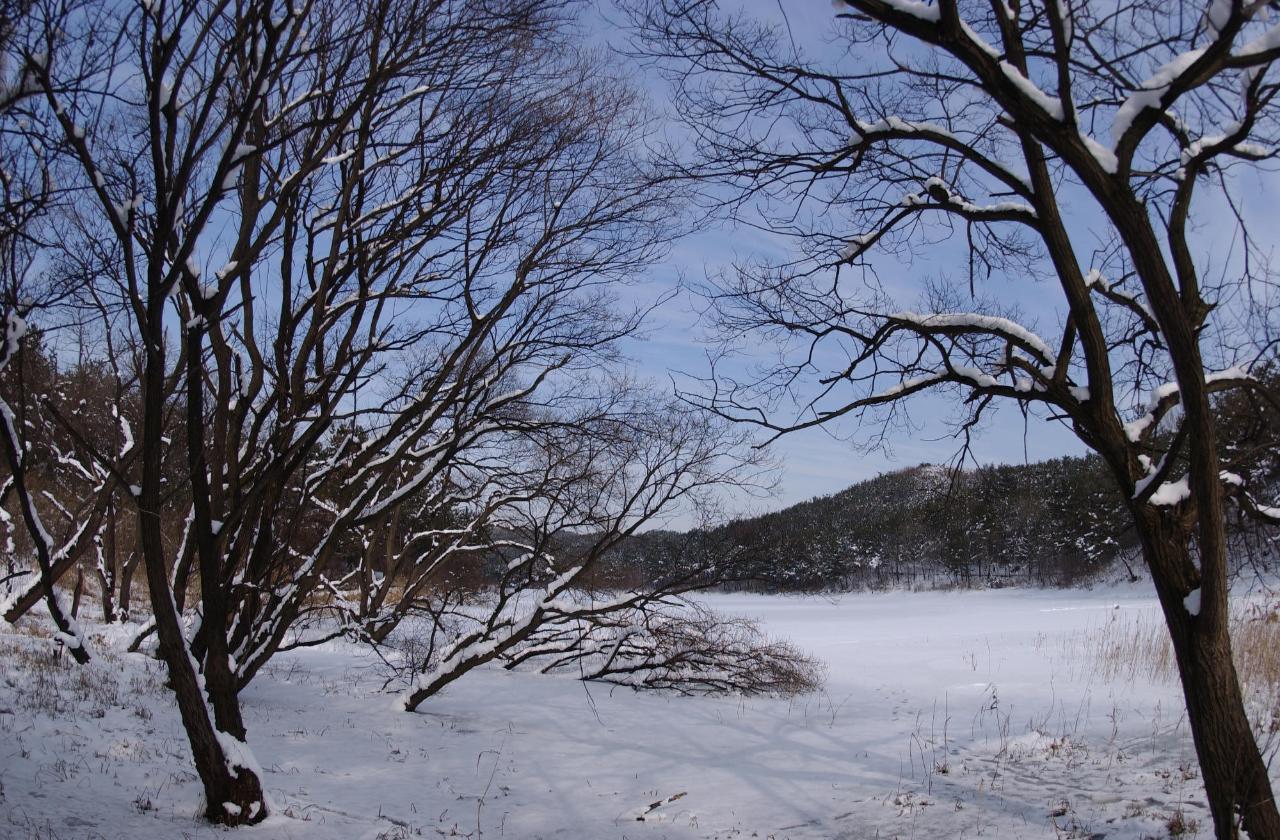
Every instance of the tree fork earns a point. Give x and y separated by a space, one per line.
233 792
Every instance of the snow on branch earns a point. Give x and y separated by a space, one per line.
1260 47
938 196
1268 512
1232 140
1152 93
909 386
1236 486
930 12
500 632
1096 282
971 322
1051 105
1171 493
897 128
14 329
1165 396
946 197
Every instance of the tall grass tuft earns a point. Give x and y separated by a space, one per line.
1131 645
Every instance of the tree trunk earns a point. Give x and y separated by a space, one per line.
126 585
1235 776
233 791
107 597
220 681
77 593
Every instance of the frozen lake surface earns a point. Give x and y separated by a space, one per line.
945 714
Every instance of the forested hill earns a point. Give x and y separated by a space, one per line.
1052 523
1048 523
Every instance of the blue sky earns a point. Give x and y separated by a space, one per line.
815 461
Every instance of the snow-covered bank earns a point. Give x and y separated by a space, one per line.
945 714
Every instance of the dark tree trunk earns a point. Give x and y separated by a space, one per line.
240 787
107 596
125 597
77 593
220 681
1235 776
233 792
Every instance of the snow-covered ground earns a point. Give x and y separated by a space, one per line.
956 714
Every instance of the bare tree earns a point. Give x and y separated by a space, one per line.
670 644
978 123
362 255
28 195
77 500
597 481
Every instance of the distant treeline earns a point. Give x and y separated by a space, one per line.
1046 524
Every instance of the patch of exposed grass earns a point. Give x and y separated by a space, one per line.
1180 825
49 682
1255 637
1135 645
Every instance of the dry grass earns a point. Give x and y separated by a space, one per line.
1126 647
46 681
1256 639
1135 645
1180 825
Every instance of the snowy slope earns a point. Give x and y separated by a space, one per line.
945 714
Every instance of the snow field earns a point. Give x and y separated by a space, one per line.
957 714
